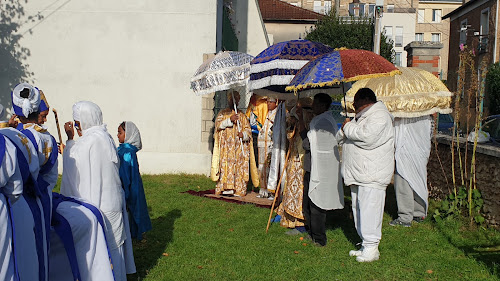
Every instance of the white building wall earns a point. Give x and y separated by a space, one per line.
249 27
407 21
134 59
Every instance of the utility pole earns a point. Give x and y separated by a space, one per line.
379 8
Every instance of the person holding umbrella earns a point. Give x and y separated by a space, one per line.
233 150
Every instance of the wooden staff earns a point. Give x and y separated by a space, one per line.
279 182
58 130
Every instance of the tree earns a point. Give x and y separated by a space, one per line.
349 32
493 88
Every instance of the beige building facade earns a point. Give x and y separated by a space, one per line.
431 27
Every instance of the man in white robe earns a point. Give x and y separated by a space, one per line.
11 188
323 189
91 172
367 167
413 147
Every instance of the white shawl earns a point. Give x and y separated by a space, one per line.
413 147
325 187
278 150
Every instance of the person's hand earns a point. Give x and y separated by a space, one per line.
234 118
240 135
347 120
12 121
61 147
70 131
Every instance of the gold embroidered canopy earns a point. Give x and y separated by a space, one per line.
414 93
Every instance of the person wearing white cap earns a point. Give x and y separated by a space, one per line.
265 145
25 103
91 172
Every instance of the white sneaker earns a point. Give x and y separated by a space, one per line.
228 192
369 254
271 197
356 253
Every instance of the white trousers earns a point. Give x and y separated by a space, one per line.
368 211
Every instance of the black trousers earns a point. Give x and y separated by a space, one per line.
315 216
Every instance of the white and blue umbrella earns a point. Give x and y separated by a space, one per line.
275 67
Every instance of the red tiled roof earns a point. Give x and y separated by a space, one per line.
279 10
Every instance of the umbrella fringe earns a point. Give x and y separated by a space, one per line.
337 81
402 114
366 76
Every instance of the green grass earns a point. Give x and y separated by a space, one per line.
195 238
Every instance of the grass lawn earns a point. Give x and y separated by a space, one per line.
195 238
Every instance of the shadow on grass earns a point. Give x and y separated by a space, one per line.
151 248
490 258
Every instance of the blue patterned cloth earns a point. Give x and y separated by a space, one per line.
134 190
292 50
324 69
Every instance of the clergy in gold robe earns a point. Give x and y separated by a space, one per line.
233 159
290 208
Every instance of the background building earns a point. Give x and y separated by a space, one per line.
432 28
135 60
285 21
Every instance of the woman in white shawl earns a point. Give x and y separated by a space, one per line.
91 172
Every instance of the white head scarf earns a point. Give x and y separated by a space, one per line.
88 114
25 106
132 135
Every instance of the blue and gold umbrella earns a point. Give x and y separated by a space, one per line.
343 65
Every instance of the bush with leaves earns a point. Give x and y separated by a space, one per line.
493 88
349 32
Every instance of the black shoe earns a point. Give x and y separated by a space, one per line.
397 222
418 219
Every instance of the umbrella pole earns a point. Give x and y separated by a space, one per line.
345 104
238 124
279 183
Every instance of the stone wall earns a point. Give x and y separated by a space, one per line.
487 174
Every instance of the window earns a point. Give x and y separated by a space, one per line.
436 15
397 59
388 33
371 10
361 10
318 8
463 32
421 15
419 37
398 40
484 29
436 37
485 14
354 9
328 7
390 8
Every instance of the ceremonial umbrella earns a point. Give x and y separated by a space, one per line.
275 67
224 71
343 65
414 93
